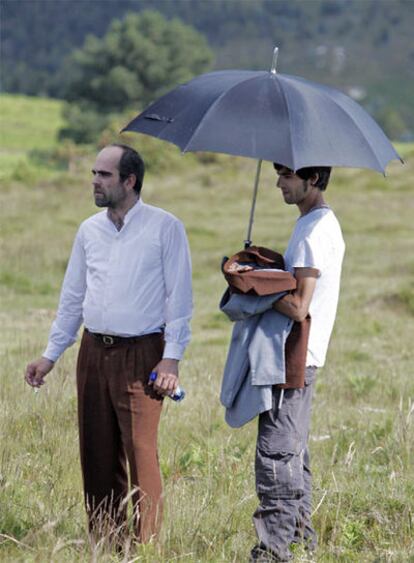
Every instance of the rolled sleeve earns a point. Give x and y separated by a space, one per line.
308 255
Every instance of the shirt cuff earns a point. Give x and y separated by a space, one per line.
52 352
173 351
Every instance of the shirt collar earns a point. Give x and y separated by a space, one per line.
131 213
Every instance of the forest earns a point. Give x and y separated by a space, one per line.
364 48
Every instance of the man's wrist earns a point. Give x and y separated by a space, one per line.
173 350
170 359
49 360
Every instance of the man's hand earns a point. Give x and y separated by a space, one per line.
167 376
37 371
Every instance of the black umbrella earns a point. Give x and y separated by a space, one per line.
267 116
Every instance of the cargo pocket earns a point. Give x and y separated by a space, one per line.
279 467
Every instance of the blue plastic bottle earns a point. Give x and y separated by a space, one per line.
178 394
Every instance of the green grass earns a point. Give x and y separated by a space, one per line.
363 416
25 124
28 123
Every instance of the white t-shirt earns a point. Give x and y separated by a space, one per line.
317 242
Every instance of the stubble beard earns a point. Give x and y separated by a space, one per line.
101 201
104 200
111 200
289 198
300 198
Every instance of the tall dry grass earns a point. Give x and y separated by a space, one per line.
362 429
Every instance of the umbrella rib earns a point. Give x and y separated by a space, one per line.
215 101
362 135
285 99
353 119
349 115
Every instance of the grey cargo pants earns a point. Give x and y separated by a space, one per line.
283 477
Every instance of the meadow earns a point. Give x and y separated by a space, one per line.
363 413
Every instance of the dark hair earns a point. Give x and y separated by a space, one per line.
131 163
323 173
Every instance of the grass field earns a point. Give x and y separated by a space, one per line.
363 414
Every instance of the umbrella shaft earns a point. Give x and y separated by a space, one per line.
248 241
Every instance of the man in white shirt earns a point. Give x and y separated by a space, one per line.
283 479
129 282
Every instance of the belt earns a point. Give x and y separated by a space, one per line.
112 340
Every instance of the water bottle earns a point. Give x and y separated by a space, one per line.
178 394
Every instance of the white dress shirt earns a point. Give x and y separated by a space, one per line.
127 283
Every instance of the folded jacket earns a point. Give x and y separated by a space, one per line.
256 357
266 276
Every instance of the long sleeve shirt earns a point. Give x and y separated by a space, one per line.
127 283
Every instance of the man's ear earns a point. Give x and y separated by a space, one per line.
314 179
131 181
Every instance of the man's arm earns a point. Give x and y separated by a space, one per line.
178 307
296 304
68 318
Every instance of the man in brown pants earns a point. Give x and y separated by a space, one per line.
129 282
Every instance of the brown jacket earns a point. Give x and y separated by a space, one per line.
260 271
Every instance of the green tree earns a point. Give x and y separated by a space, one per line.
138 59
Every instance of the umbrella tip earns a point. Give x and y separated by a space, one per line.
274 61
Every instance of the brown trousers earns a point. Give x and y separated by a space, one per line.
118 421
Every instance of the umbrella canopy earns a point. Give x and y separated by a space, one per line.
267 116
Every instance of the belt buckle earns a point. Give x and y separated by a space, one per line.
108 340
